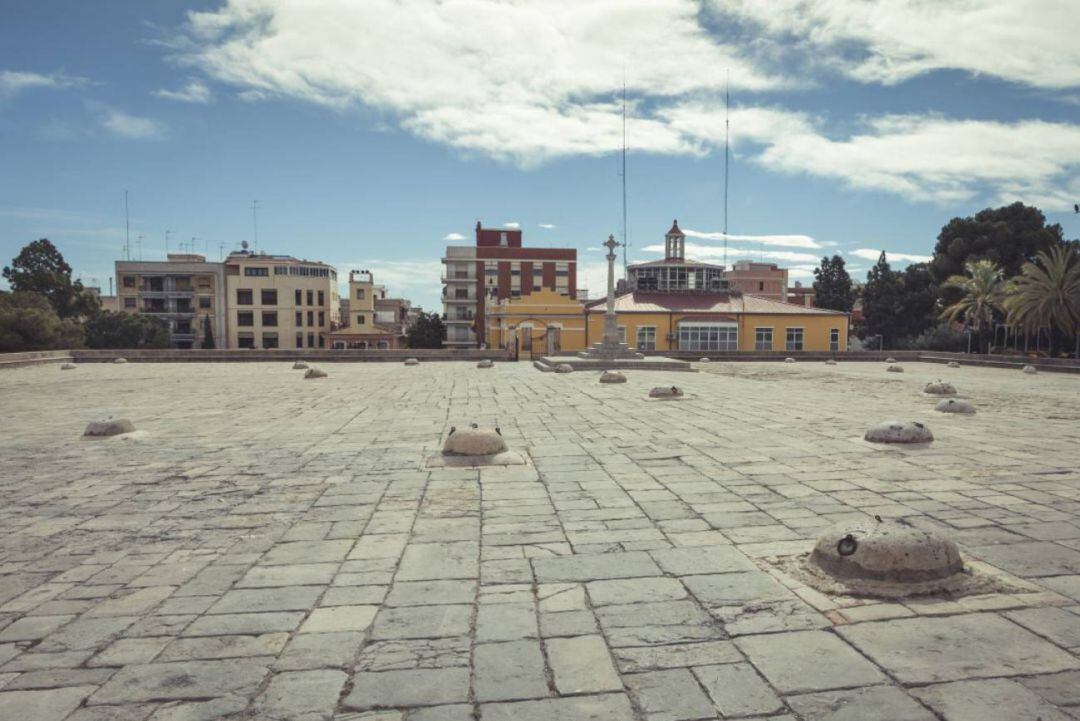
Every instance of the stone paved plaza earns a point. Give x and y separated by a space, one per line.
268 547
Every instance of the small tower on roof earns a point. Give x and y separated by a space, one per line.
675 243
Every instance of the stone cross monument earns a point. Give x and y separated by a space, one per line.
610 348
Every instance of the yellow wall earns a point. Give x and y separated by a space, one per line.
530 316
286 306
364 307
815 328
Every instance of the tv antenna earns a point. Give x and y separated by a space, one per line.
622 174
138 245
127 229
255 223
167 234
727 145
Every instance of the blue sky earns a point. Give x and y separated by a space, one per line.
370 131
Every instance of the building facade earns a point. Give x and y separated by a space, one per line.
277 301
544 321
361 328
765 280
498 267
183 290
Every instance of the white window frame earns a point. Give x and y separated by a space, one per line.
789 344
758 342
650 343
708 336
834 345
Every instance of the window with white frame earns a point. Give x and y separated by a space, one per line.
646 338
834 339
708 336
763 339
622 333
794 339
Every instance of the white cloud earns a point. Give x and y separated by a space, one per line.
13 82
134 127
454 237
554 70
512 224
870 254
193 92
1031 42
546 226
790 241
714 253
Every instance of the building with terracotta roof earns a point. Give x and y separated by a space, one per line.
362 326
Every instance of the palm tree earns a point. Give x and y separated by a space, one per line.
984 292
1047 292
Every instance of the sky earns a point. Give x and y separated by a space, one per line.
373 133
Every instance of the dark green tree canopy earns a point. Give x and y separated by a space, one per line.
208 333
427 331
1009 236
40 268
832 285
881 298
110 329
28 322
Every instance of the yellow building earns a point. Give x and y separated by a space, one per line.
361 328
658 321
277 301
545 321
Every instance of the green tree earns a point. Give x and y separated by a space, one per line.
881 303
427 331
832 285
917 311
208 333
40 268
1008 236
1047 292
28 322
983 291
111 329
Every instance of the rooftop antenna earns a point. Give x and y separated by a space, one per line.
138 244
727 144
127 229
625 241
221 251
167 234
255 223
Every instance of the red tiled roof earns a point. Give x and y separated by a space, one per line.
715 303
675 229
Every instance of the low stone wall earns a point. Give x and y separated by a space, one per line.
18 360
312 355
1062 365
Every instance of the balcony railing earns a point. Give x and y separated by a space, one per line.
450 279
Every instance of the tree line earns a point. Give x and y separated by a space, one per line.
1001 266
46 309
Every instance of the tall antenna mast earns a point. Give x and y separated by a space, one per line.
625 240
727 144
127 229
255 222
167 234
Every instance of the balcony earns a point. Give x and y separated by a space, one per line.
469 301
449 279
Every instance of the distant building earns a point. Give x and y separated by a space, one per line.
362 323
498 267
182 290
545 321
801 295
277 301
675 273
765 280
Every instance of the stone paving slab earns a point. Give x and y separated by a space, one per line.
284 553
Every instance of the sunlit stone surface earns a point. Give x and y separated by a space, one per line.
285 550
612 377
899 432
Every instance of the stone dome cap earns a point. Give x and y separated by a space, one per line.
940 388
789 360
102 429
666 392
612 377
830 362
891 551
890 359
564 368
899 432
895 369
412 362
299 366
954 364
952 405
119 360
474 441
67 367
314 373
704 360
1030 370
486 363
